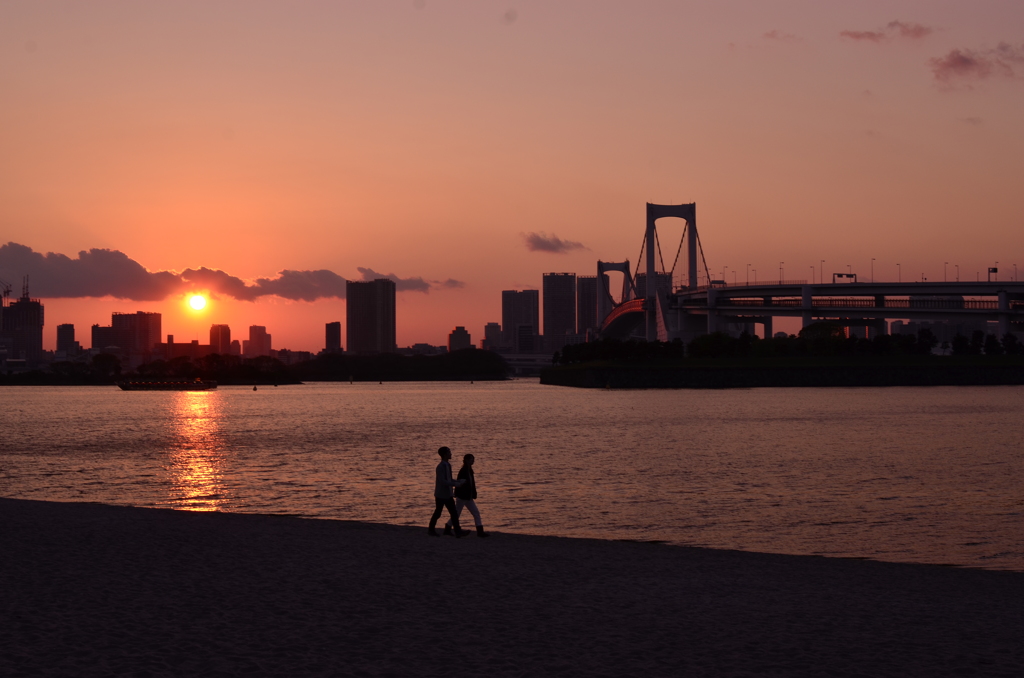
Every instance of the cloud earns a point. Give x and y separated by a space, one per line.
893 29
781 36
972 120
453 284
94 273
961 65
542 242
416 284
104 272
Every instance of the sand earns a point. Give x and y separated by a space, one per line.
94 590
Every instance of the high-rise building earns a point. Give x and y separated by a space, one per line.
586 303
258 342
459 339
66 340
520 319
370 316
220 339
664 284
135 332
559 304
21 327
492 337
333 344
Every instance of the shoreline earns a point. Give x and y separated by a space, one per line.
94 589
781 376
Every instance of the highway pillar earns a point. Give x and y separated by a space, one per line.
767 322
807 304
1004 314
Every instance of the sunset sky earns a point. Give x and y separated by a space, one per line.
455 144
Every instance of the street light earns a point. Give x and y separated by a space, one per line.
957 272
899 273
812 274
780 271
944 265
822 269
755 275
1015 273
748 274
872 269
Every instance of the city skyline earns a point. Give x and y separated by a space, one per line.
273 153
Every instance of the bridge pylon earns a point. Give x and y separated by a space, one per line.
656 301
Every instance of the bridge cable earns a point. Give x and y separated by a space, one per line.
701 248
678 251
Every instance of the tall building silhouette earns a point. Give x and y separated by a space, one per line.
559 305
258 342
220 339
66 340
459 339
137 332
21 329
370 316
492 337
586 303
333 337
520 319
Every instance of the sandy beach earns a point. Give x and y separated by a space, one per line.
95 590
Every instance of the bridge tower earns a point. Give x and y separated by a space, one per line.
604 294
654 303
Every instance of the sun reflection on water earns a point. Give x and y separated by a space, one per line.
197 457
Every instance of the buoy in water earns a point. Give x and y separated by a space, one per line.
254 387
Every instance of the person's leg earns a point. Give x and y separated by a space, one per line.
459 503
476 518
475 511
450 505
438 505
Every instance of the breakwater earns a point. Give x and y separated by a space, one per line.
783 375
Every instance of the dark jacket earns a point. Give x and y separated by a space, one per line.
468 488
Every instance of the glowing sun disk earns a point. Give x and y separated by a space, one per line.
198 302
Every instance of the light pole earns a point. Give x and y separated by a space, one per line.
899 273
957 272
780 271
849 269
1015 273
944 265
755 275
872 269
812 274
748 274
822 269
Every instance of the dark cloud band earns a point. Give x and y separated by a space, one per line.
104 272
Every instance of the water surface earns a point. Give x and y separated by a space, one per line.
906 474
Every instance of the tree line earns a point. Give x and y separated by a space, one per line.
822 339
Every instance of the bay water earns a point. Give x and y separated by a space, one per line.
927 475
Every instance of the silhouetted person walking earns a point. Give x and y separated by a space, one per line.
443 485
465 495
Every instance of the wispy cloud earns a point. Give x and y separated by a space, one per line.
893 29
781 36
542 242
966 65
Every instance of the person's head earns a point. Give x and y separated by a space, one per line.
445 453
467 460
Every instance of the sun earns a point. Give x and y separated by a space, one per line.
198 302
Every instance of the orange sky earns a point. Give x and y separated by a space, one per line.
426 138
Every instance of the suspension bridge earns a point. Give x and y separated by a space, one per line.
684 301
